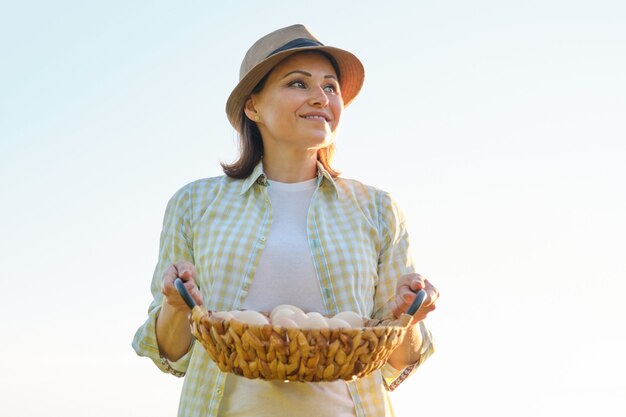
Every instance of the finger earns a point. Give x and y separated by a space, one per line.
170 292
422 313
170 274
397 307
413 280
168 288
191 287
411 288
417 284
197 296
167 284
432 293
406 294
185 270
402 301
194 291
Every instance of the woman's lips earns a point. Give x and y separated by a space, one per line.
316 116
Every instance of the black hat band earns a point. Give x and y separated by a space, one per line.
296 43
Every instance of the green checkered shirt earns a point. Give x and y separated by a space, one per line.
358 241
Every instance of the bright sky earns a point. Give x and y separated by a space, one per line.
500 127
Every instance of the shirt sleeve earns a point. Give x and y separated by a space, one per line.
394 261
175 245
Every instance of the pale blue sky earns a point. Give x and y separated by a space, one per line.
500 127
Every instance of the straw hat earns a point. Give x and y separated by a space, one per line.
271 49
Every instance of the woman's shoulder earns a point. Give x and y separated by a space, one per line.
208 183
360 189
369 198
203 188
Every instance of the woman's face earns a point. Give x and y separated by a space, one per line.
300 104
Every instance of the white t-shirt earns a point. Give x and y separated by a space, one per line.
286 275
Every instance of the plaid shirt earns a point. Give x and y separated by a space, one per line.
359 245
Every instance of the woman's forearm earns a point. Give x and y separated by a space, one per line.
408 352
173 332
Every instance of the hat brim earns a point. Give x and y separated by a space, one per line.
352 75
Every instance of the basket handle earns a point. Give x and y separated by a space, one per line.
178 283
180 287
417 303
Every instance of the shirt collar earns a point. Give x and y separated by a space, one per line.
322 175
258 177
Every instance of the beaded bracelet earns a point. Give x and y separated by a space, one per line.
168 367
400 379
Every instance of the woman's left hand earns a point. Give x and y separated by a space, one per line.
408 286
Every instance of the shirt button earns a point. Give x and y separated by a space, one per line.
218 391
245 287
262 238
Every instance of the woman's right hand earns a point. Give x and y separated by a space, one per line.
187 273
172 326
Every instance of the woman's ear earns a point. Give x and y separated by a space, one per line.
250 111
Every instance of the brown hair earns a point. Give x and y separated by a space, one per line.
251 142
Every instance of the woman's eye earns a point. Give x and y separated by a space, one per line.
330 89
297 84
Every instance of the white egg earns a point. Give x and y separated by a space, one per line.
351 317
235 313
315 314
315 321
285 307
284 321
300 319
335 323
283 312
252 317
224 315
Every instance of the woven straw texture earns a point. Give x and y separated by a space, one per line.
293 354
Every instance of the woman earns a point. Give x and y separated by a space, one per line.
282 228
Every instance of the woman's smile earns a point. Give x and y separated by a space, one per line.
316 116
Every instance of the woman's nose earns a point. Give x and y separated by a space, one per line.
319 97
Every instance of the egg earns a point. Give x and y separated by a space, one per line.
284 321
300 319
224 315
252 317
284 309
351 317
235 313
315 321
285 312
335 323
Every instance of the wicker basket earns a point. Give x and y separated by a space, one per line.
293 354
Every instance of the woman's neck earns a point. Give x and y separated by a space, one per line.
288 167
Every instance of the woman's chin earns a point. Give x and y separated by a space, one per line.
320 139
